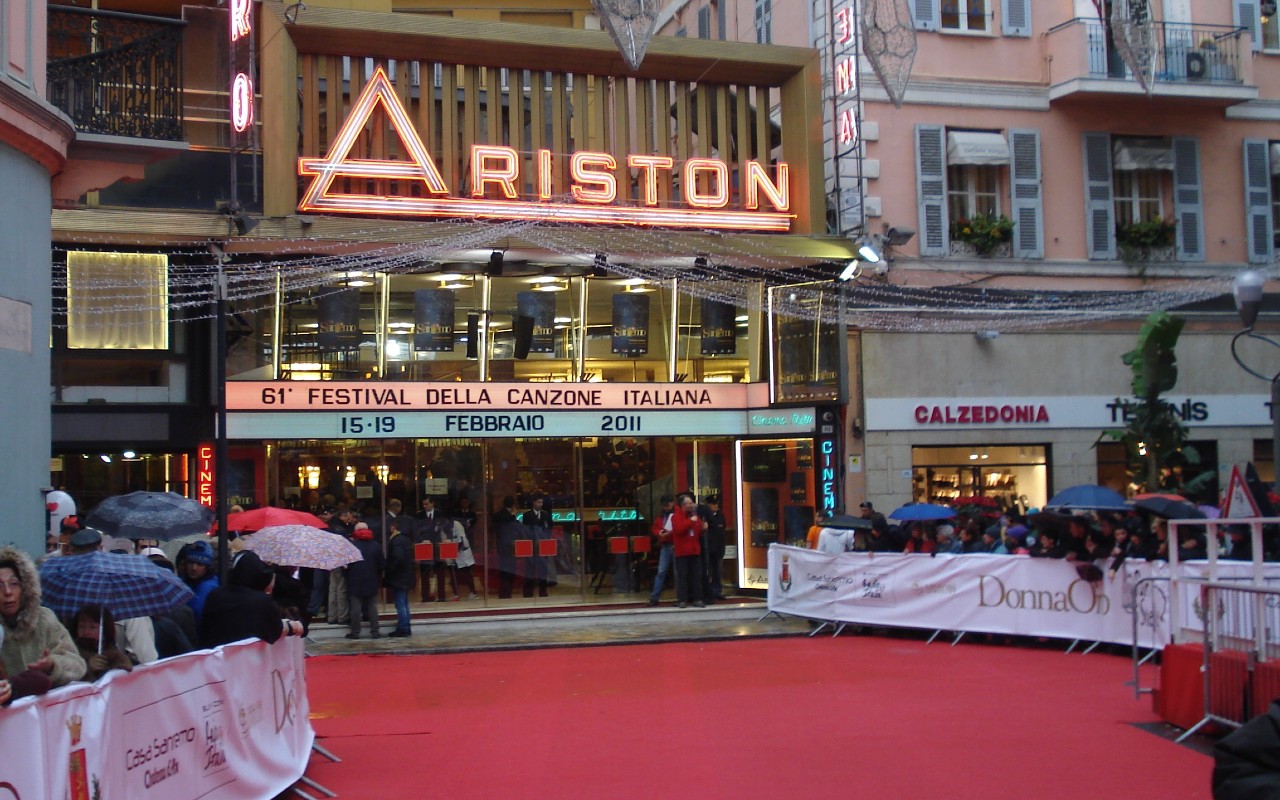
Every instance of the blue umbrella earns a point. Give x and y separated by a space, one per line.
129 586
922 511
1088 497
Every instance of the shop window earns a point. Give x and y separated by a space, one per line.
964 15
1012 476
1264 461
117 301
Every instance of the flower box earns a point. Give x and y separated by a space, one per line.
966 250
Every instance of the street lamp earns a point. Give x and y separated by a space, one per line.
1247 289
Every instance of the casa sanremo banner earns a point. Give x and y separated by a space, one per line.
984 593
226 723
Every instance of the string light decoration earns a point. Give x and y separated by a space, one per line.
726 271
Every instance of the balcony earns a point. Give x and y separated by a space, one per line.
1200 64
117 74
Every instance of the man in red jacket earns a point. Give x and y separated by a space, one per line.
686 537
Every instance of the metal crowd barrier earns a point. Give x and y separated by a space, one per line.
1149 601
1241 651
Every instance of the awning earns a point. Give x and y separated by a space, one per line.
1135 154
1275 158
974 147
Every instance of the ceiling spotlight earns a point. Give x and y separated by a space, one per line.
850 271
106 459
129 454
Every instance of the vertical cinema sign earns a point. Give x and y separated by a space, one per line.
204 475
499 177
846 75
241 81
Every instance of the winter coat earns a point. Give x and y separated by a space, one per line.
35 629
401 569
362 576
1247 761
509 529
686 534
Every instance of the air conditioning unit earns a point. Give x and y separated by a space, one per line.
1197 67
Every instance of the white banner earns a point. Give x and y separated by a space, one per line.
979 593
228 723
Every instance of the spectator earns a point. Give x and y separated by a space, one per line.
1241 539
37 652
509 530
945 541
96 642
342 523
918 540
175 631
835 540
362 582
662 530
881 539
195 567
243 609
400 574
686 538
1075 544
1046 545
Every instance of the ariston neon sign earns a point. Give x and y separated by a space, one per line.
594 187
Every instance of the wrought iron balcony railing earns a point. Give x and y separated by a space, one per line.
1185 53
117 74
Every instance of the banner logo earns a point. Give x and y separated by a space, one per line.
784 576
283 696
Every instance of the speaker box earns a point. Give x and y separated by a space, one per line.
1197 67
473 335
523 328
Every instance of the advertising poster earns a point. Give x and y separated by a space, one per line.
630 324
541 307
433 320
719 328
338 319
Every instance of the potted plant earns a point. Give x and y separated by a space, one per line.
983 232
1208 44
1146 234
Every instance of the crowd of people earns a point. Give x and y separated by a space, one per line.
40 651
1104 538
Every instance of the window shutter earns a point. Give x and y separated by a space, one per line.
931 189
1246 16
1028 199
926 14
1099 212
1257 200
1188 203
1015 17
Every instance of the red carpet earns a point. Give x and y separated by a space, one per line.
757 718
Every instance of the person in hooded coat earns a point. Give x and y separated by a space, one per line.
37 652
362 582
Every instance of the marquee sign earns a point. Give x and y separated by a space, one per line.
497 170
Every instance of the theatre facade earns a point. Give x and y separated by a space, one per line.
479 260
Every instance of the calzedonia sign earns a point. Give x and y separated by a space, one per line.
497 175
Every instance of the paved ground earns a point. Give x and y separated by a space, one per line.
518 629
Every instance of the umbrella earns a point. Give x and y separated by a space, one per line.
302 546
130 586
1088 497
846 522
1168 507
269 516
922 511
1050 522
150 515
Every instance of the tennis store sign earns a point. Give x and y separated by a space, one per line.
1101 411
498 173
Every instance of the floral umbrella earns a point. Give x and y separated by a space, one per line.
302 546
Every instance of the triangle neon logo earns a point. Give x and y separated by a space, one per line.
337 163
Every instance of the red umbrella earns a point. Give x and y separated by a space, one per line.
270 516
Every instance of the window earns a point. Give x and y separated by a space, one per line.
964 15
1138 196
117 301
972 190
1275 192
704 23
1271 32
764 21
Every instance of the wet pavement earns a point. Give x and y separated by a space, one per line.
527 625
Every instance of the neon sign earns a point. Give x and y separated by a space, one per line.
241 83
204 475
594 187
846 77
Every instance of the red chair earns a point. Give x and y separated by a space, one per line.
448 549
548 547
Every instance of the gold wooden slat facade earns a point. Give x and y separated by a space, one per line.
461 101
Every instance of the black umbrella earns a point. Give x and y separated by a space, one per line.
1051 523
150 515
1168 507
846 522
